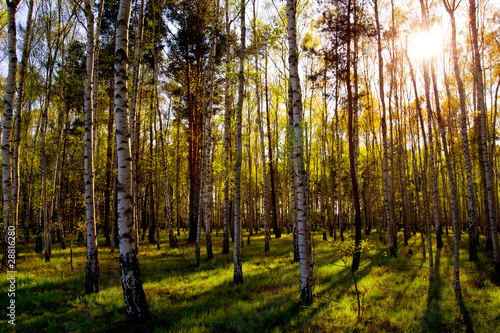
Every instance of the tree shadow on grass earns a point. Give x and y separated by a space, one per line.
465 313
228 308
431 321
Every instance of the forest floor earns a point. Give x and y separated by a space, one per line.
395 294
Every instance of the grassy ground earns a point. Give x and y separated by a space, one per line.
396 295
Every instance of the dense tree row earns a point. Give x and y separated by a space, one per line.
128 119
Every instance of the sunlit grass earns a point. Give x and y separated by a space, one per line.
395 294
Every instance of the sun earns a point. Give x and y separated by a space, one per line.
424 45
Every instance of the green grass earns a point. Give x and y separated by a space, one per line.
395 293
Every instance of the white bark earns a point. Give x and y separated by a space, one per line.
208 138
20 106
266 215
435 197
168 212
385 166
453 187
488 173
293 180
7 124
135 300
225 242
238 272
95 89
424 174
305 250
471 208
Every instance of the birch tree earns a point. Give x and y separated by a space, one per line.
168 211
208 132
227 111
133 111
453 187
424 173
385 169
305 249
133 292
19 114
292 178
7 124
351 129
488 173
266 215
471 208
92 271
238 272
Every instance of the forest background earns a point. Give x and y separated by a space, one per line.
336 119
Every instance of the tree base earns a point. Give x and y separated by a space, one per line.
392 251
38 244
133 292
306 296
496 277
489 244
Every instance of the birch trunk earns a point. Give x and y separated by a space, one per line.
227 111
92 271
277 231
352 134
208 139
293 180
10 93
385 168
20 106
266 215
133 292
238 273
95 89
133 112
352 148
110 161
168 211
339 163
305 250
453 187
199 214
424 173
42 212
434 186
488 174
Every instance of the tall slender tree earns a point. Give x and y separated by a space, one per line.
451 7
304 231
485 161
227 111
265 217
133 292
453 186
19 114
238 272
385 169
352 146
92 276
133 111
7 125
293 177
424 172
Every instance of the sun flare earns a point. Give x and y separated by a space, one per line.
424 45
